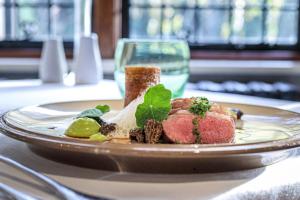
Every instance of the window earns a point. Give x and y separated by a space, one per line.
216 24
25 23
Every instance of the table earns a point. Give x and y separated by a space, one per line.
279 181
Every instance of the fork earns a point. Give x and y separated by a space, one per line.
10 193
61 191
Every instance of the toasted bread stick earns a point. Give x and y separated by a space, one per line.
138 79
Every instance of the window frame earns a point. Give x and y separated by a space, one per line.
106 22
232 51
109 22
26 44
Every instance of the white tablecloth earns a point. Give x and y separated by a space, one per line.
279 181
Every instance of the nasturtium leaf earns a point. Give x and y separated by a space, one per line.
156 105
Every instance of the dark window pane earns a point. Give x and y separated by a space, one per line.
205 22
183 26
31 23
244 3
281 27
146 2
64 1
178 23
35 20
30 1
167 23
283 3
62 22
247 26
2 20
213 26
213 2
145 23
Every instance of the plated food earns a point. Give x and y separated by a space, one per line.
151 116
263 136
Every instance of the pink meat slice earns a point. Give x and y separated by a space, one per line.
216 128
178 128
185 103
213 128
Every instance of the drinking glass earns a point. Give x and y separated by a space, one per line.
172 56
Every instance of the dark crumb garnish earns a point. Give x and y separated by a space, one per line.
137 135
151 134
238 113
153 131
107 128
100 121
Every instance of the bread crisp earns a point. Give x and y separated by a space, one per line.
138 79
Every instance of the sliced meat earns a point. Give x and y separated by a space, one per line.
180 104
218 108
216 128
178 128
213 128
185 103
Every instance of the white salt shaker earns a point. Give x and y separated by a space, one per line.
53 64
88 65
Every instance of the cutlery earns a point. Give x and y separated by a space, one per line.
59 190
11 193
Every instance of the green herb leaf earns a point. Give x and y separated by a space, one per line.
95 113
103 108
90 113
156 105
200 106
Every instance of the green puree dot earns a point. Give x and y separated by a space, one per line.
83 128
98 137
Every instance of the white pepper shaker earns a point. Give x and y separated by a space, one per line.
53 64
88 63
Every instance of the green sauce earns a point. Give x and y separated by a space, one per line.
98 137
83 128
196 131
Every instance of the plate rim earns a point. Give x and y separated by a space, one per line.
167 150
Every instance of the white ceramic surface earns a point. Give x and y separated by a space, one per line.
88 63
53 65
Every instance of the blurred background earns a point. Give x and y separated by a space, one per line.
237 46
